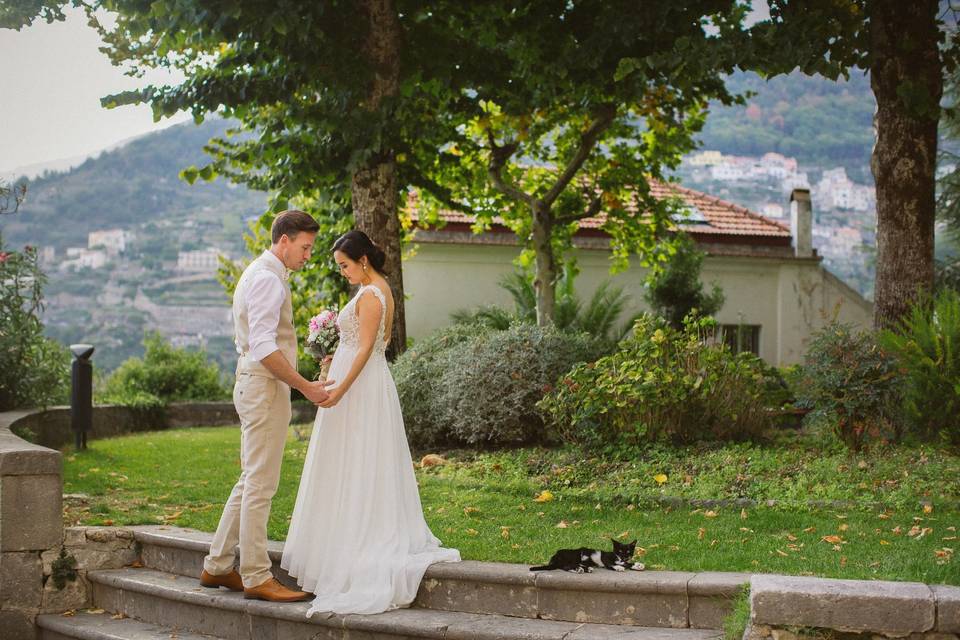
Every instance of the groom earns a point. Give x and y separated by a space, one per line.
266 370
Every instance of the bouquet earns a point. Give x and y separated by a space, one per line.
323 339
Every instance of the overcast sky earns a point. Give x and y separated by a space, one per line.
53 79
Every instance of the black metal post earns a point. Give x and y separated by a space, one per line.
81 394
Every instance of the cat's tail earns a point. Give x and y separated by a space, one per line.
545 567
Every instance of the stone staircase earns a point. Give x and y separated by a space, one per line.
467 600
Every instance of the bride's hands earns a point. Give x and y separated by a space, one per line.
333 397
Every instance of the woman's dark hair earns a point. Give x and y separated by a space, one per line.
357 244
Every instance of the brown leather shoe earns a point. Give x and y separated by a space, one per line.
273 591
230 580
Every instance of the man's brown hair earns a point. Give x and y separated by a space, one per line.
291 222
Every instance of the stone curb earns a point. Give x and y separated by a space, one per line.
140 592
893 609
101 626
649 598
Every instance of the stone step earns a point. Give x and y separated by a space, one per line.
101 625
170 600
648 598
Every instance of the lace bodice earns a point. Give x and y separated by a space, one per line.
349 321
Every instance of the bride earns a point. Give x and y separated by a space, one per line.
357 538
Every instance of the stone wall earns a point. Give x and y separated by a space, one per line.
31 522
51 427
791 607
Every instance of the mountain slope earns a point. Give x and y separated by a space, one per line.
128 187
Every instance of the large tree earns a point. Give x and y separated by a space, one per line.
593 101
904 47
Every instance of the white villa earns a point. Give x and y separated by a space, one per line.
775 284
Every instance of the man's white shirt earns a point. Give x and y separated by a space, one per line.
265 291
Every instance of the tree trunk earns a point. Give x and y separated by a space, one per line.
545 281
905 59
374 186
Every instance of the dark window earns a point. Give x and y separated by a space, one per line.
742 337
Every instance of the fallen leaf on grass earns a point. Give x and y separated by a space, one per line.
928 508
660 478
561 525
843 527
543 496
624 535
743 514
810 530
832 539
884 542
700 533
943 555
782 553
468 510
505 533
472 532
710 514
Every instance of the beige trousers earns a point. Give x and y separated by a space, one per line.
263 404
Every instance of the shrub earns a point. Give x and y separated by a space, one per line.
490 384
927 348
674 290
469 384
34 370
165 374
417 373
663 384
852 383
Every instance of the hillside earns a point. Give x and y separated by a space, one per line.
129 187
815 120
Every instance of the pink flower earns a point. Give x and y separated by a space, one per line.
3 256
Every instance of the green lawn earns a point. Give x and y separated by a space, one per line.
484 504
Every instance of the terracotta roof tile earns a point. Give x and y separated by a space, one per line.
719 216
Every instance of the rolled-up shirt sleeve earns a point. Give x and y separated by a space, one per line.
265 294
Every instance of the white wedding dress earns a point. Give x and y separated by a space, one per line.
358 538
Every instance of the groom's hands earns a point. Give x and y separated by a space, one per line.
316 391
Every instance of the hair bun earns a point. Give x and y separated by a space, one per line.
357 244
377 257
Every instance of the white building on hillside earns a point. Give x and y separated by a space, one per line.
113 241
199 260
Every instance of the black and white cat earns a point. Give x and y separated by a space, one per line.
585 559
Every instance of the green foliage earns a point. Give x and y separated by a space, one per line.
735 623
853 383
165 374
663 384
475 386
927 347
63 569
598 317
673 284
35 370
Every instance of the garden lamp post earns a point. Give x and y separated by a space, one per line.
81 393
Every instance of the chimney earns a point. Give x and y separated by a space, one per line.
801 223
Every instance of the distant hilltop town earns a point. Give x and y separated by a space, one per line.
844 222
107 245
